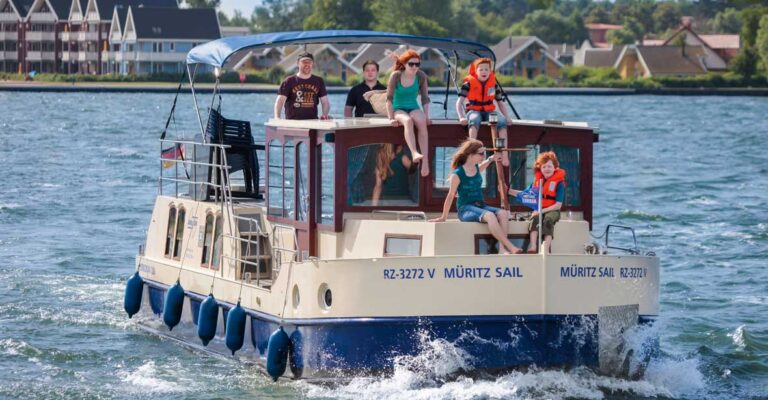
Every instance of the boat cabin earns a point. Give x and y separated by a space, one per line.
321 179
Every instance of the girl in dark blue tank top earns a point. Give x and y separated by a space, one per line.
468 163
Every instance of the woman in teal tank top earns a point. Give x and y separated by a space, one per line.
406 82
468 163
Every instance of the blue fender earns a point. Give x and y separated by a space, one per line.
235 328
207 319
134 289
295 357
174 303
277 353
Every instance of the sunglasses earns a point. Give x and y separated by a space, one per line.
414 64
481 152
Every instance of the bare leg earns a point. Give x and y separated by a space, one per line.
410 138
533 240
547 243
473 132
505 155
505 246
503 216
420 121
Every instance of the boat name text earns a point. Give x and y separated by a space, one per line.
455 272
578 271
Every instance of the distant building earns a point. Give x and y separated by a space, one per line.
329 60
157 40
42 35
259 59
229 31
562 52
13 14
597 57
718 49
525 56
636 61
598 32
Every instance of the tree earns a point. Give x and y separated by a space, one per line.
425 17
203 3
667 15
620 36
339 14
547 25
751 18
491 28
761 43
598 14
745 63
727 21
281 15
238 19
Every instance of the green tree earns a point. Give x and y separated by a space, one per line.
761 43
281 15
727 21
339 14
598 14
751 18
238 19
667 16
426 17
620 36
547 25
491 28
578 30
203 3
745 63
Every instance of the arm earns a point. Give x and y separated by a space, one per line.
350 104
503 110
483 165
326 107
460 110
347 112
377 189
393 77
448 199
279 103
424 89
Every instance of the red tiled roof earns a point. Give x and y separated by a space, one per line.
722 41
603 26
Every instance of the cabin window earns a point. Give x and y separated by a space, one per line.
441 165
570 160
303 180
217 239
381 174
327 183
179 237
169 231
207 240
275 190
487 244
289 192
402 245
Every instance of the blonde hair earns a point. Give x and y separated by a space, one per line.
383 157
467 148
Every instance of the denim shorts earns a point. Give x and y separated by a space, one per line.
475 117
474 212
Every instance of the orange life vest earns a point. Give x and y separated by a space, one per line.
481 94
549 193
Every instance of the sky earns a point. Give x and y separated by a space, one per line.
245 6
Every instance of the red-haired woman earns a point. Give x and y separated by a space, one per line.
406 82
546 168
469 163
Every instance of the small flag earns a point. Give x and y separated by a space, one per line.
529 198
174 153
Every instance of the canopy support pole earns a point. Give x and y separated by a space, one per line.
191 74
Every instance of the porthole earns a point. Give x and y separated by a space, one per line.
324 297
296 298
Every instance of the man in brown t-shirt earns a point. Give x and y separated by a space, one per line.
301 93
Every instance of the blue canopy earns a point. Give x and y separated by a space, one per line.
217 52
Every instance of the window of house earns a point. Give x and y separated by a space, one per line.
381 174
179 237
402 245
326 184
169 231
275 181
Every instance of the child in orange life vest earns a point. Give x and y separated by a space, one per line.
479 93
546 168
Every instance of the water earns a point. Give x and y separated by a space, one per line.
690 174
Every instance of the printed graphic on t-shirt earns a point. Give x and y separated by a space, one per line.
304 95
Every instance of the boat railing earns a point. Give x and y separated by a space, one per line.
182 164
634 249
407 215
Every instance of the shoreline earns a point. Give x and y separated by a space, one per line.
168 87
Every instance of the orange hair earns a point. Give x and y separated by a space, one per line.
545 157
403 59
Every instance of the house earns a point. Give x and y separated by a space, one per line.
259 59
598 57
229 31
157 40
42 36
562 52
718 49
13 14
525 56
637 61
598 32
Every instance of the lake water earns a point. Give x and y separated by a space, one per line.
79 181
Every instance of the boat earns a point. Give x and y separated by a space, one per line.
273 252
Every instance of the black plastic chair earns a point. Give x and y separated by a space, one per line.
241 155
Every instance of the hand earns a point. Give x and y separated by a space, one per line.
438 219
325 117
534 214
496 157
393 122
463 121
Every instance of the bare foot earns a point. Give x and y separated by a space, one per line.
531 250
417 157
424 169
